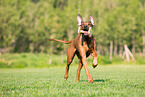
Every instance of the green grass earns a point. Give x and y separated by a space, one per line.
109 80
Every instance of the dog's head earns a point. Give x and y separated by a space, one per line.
85 26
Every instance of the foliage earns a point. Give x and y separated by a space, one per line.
27 60
109 81
26 25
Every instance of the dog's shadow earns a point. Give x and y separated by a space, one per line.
96 80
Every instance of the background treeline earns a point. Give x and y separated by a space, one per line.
26 25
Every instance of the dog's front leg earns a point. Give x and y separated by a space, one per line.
95 61
83 54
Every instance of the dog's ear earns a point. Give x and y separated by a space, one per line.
91 20
79 19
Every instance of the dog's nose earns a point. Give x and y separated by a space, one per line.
85 26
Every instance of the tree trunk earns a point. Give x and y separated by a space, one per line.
111 49
133 35
79 6
31 47
143 38
42 49
70 34
120 51
133 42
51 45
115 47
16 3
109 4
98 50
51 49
62 58
128 53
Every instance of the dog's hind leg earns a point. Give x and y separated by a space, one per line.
79 69
70 56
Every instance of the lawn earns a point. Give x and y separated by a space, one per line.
109 80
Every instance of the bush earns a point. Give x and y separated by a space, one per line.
43 60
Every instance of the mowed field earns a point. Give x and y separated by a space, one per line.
110 80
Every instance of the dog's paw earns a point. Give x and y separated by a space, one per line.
90 81
77 80
94 65
65 77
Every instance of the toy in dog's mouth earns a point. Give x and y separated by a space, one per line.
85 31
85 34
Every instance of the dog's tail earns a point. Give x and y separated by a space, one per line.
61 41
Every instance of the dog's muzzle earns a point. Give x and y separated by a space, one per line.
85 28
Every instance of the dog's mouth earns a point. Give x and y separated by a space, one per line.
85 29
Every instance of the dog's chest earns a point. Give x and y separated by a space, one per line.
88 42
85 42
85 45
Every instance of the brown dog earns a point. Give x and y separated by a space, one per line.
83 45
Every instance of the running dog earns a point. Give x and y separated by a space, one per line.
83 45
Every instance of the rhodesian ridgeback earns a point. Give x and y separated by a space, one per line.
83 45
